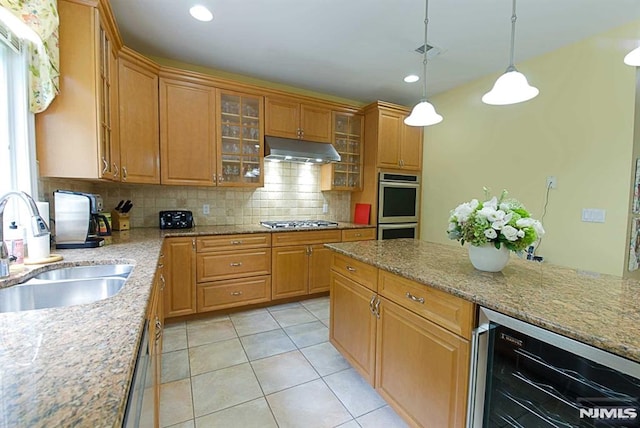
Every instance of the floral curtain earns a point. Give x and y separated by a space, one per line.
44 66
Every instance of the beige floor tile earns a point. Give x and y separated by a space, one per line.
283 371
215 356
249 313
254 414
175 366
254 323
209 331
308 334
325 358
292 316
220 389
283 306
318 307
311 405
176 404
174 339
267 344
384 417
350 424
187 424
354 392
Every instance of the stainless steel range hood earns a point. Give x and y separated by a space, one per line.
291 150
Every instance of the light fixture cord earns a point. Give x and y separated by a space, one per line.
424 60
512 66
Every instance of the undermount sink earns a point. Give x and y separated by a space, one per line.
66 286
84 272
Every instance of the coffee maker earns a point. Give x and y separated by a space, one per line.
77 218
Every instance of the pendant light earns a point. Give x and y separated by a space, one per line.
633 58
512 87
424 114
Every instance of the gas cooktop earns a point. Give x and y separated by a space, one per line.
298 224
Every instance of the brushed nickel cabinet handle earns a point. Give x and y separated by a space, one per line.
124 173
351 269
371 302
116 170
106 165
377 309
358 235
236 242
235 264
158 329
414 298
236 293
164 282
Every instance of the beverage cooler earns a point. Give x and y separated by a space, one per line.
525 376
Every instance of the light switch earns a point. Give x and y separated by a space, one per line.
593 215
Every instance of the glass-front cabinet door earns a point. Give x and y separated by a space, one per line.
240 142
347 139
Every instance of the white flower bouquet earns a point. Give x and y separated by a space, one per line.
496 221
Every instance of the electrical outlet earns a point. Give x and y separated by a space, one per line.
593 215
205 209
325 208
552 182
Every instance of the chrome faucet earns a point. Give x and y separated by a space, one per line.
38 227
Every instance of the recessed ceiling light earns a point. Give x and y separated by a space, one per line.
411 78
201 13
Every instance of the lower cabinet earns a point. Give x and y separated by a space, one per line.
180 275
351 310
414 360
421 369
300 262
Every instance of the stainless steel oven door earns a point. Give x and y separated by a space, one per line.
398 230
398 200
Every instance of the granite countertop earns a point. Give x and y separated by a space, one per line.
597 309
72 366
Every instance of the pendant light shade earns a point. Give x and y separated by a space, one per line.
424 114
512 87
633 58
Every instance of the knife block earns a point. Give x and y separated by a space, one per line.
119 221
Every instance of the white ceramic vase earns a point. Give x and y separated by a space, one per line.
489 259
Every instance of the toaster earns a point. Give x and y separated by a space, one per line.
176 219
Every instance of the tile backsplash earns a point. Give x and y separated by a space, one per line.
291 191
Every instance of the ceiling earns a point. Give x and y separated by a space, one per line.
362 49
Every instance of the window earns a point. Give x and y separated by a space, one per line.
17 143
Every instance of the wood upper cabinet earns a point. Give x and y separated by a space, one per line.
76 136
290 118
180 276
398 146
348 131
240 139
187 132
139 136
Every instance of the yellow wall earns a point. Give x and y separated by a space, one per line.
579 129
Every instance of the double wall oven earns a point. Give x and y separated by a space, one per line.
398 205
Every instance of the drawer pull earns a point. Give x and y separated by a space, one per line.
351 269
236 242
414 298
236 293
376 309
235 264
358 235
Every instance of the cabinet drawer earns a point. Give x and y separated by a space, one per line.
358 234
235 292
451 312
284 239
233 242
233 264
362 273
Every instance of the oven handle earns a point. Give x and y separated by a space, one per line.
386 183
477 375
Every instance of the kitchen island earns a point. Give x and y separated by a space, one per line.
597 309
73 366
